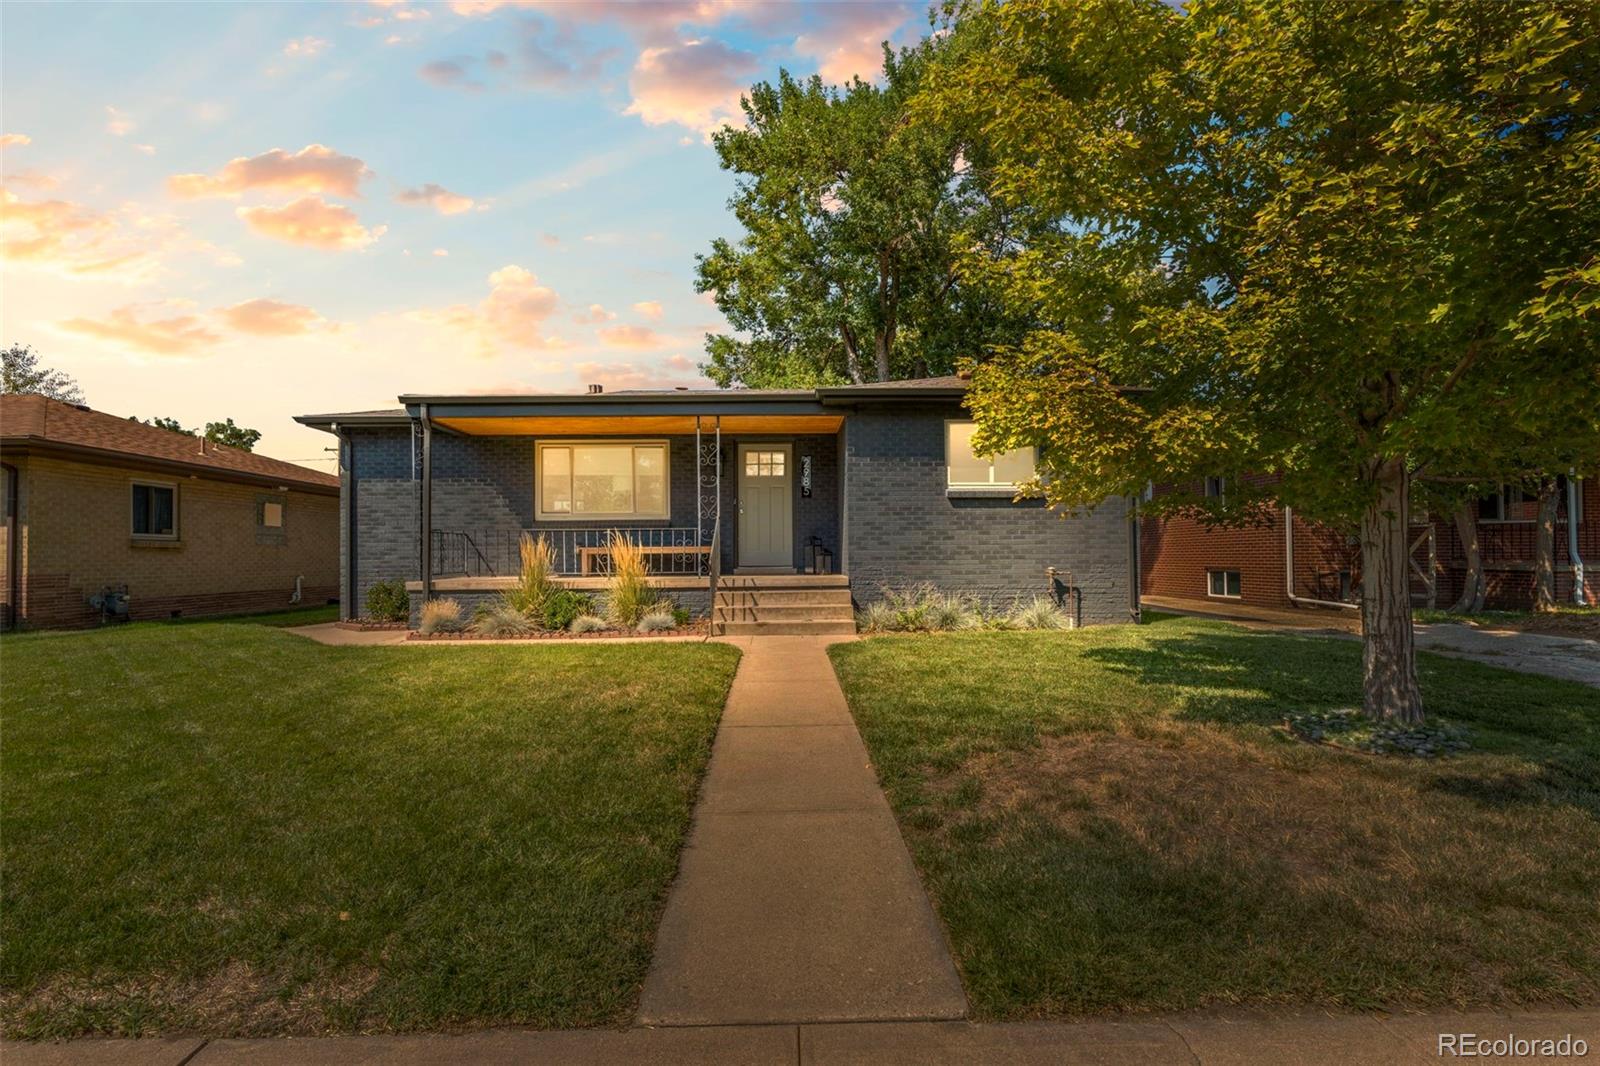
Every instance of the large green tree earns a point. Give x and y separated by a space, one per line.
846 269
1339 243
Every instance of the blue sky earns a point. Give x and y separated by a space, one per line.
259 210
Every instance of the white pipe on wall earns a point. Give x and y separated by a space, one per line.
1288 570
1574 494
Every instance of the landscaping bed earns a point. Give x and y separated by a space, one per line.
697 628
232 830
1115 819
1565 621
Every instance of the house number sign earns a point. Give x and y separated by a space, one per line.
805 476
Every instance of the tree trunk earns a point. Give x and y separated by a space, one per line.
1389 690
1544 547
1473 586
852 354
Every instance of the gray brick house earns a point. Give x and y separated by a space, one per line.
779 499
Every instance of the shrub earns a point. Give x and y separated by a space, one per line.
440 616
912 608
657 621
878 617
562 606
387 601
682 615
500 620
952 611
535 580
1041 613
588 623
631 594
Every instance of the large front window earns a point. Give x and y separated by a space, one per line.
967 469
584 480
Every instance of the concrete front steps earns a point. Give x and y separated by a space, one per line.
783 605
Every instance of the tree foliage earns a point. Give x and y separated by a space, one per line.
20 372
225 432
846 269
1344 244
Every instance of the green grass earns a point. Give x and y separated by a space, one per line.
1111 820
1489 618
231 829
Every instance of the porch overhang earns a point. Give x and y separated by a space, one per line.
600 415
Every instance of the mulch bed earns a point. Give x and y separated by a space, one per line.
693 629
364 626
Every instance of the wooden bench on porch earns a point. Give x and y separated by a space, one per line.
587 556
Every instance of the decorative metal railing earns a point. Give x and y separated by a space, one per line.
578 552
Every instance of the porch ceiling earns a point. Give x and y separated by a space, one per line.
632 425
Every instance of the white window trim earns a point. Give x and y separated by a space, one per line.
991 483
1225 595
630 516
177 517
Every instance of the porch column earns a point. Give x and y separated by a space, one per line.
708 483
427 506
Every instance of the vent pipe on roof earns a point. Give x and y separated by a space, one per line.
595 390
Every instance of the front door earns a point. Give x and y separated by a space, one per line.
766 505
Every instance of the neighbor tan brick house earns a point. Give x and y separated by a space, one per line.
182 526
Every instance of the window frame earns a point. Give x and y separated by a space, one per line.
152 483
1503 494
665 445
1224 594
1222 488
992 485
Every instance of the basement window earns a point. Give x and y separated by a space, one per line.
1223 583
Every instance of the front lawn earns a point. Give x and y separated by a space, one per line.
1111 819
231 829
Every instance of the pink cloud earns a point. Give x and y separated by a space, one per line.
650 309
847 41
695 83
118 124
124 328
512 314
271 318
77 241
628 336
305 47
315 168
594 315
313 222
14 140
437 197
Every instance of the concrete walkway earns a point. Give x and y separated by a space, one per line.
1212 1039
796 900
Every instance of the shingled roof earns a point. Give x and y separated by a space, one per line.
28 421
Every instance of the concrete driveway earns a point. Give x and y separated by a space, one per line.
1570 658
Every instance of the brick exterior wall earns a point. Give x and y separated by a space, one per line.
73 521
1176 553
1507 549
904 529
487 483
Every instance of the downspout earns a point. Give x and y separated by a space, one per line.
1574 494
427 506
1288 571
14 547
1135 567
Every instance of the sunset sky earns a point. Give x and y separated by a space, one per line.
260 210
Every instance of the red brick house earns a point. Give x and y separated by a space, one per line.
1180 558
168 523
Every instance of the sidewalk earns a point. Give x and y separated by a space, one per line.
796 899
1301 1039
